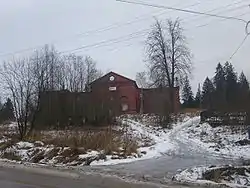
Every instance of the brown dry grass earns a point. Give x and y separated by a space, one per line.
81 141
11 156
191 111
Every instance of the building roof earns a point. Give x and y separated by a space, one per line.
115 74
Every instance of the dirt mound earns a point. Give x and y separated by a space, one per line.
243 142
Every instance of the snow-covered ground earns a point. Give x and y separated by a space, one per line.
187 138
220 141
224 175
153 142
223 142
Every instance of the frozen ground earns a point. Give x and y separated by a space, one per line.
161 153
223 175
186 137
154 141
228 142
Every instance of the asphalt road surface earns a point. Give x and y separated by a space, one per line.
41 178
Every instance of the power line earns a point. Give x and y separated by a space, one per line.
113 40
224 7
113 26
116 40
182 10
241 44
90 32
203 25
110 27
247 28
110 41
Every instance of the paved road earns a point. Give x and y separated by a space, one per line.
43 178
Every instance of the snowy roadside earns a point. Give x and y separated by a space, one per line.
152 141
219 141
155 141
229 176
223 142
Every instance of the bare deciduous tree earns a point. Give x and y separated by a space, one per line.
18 79
79 72
74 72
46 74
92 73
168 56
45 70
142 79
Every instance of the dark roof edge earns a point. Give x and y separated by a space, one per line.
111 72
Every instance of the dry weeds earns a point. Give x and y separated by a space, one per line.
81 141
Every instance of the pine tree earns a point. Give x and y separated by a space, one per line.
1 104
220 88
7 111
243 92
207 94
187 94
243 83
231 86
198 97
219 78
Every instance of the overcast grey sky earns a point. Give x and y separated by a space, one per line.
30 23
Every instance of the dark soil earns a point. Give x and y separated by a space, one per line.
225 173
243 142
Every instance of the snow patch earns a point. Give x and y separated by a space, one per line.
24 145
220 141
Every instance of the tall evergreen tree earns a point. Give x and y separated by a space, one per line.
231 86
219 78
0 104
244 92
220 88
7 111
207 94
198 97
187 94
243 83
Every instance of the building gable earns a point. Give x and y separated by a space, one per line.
113 77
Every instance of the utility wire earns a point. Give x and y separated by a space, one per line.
103 29
239 47
206 24
113 26
225 9
247 28
120 39
182 10
113 40
109 42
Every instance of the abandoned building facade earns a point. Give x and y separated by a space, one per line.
113 94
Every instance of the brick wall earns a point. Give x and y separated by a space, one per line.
158 100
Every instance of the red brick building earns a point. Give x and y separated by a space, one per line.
108 96
124 96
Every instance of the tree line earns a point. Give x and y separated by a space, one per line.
6 111
25 80
226 91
